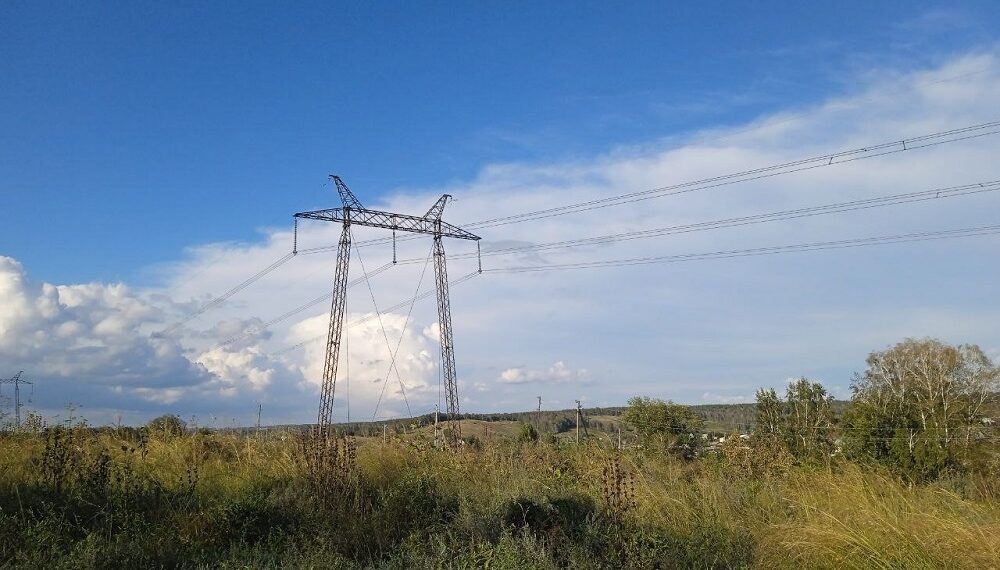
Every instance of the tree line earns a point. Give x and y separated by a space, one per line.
923 408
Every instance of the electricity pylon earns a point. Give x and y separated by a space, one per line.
16 381
353 213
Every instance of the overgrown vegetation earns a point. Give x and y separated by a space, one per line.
802 490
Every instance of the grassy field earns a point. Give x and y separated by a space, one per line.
79 498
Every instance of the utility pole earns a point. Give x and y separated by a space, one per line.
578 414
435 425
17 381
258 416
538 414
353 213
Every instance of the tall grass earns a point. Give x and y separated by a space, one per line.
227 500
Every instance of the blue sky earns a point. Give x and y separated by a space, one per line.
151 156
186 123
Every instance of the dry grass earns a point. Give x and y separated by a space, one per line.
858 519
505 505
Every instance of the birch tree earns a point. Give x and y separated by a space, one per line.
923 406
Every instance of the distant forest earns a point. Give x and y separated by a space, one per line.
719 418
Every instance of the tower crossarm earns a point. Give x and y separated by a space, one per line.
389 221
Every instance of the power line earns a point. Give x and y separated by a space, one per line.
227 295
854 205
861 153
305 306
727 254
371 316
799 165
385 335
406 322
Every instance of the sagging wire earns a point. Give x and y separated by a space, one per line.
406 322
225 296
381 324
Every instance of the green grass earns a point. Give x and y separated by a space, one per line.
101 500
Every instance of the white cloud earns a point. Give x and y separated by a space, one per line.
713 398
366 359
164 396
558 372
92 342
666 330
87 331
232 369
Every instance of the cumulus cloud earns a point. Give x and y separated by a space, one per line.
713 398
367 367
92 341
558 372
666 330
89 331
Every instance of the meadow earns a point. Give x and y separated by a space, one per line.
77 497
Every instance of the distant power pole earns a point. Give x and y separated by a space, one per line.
16 381
538 414
258 415
579 412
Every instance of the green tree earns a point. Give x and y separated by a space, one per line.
809 420
665 425
527 433
770 415
924 407
802 423
167 425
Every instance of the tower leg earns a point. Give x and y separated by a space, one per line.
325 418
447 343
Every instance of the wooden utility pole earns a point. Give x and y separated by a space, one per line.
258 416
384 436
538 415
578 414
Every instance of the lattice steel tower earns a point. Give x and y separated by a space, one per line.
16 381
353 213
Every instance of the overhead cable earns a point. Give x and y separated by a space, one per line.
798 165
256 330
215 302
726 254
853 205
385 335
370 316
402 333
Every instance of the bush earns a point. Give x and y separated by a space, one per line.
167 426
527 433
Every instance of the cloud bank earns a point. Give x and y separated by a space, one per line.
683 331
